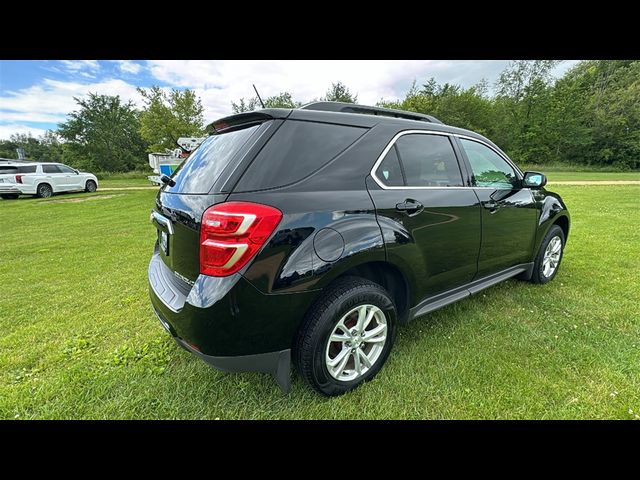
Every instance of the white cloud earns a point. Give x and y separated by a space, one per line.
75 66
7 130
128 66
52 100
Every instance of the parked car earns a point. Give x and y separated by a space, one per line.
42 179
310 235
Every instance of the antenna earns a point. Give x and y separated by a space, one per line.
261 102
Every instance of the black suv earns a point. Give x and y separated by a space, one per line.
311 234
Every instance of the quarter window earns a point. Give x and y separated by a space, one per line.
389 172
489 169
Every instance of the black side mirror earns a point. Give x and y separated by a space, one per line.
77 171
167 180
534 180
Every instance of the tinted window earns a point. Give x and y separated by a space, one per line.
389 171
27 169
295 151
428 161
8 169
201 169
50 169
489 169
65 169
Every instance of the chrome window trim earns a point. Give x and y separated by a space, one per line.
431 132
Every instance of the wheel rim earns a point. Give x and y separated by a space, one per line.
356 342
551 257
45 191
91 187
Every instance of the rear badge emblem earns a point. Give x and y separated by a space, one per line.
183 278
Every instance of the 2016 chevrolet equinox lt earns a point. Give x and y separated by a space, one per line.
310 235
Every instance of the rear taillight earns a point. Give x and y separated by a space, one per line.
232 233
18 178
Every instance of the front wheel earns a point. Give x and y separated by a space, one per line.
549 256
346 337
90 186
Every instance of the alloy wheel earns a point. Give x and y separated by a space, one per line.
356 342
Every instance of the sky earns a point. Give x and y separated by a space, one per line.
36 95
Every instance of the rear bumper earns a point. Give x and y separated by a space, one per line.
227 322
277 364
9 189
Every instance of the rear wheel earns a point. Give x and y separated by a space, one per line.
346 337
44 190
90 186
10 196
549 256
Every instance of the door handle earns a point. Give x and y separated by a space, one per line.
491 205
410 206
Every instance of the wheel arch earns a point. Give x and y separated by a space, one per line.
44 182
563 222
387 275
553 212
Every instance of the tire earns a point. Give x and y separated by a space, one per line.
44 190
90 186
10 196
313 351
541 273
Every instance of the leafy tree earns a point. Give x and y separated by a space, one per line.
103 135
168 116
245 106
282 100
452 104
338 92
522 102
46 148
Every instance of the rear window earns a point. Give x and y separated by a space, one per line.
296 151
11 169
199 172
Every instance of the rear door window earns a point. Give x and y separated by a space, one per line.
295 151
203 167
424 161
50 169
27 169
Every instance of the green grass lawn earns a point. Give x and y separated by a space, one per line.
555 176
124 182
79 340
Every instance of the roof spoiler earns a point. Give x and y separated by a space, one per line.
367 110
244 118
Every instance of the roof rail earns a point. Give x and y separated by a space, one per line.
355 108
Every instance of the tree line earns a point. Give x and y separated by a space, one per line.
589 116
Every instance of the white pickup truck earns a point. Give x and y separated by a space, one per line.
42 179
